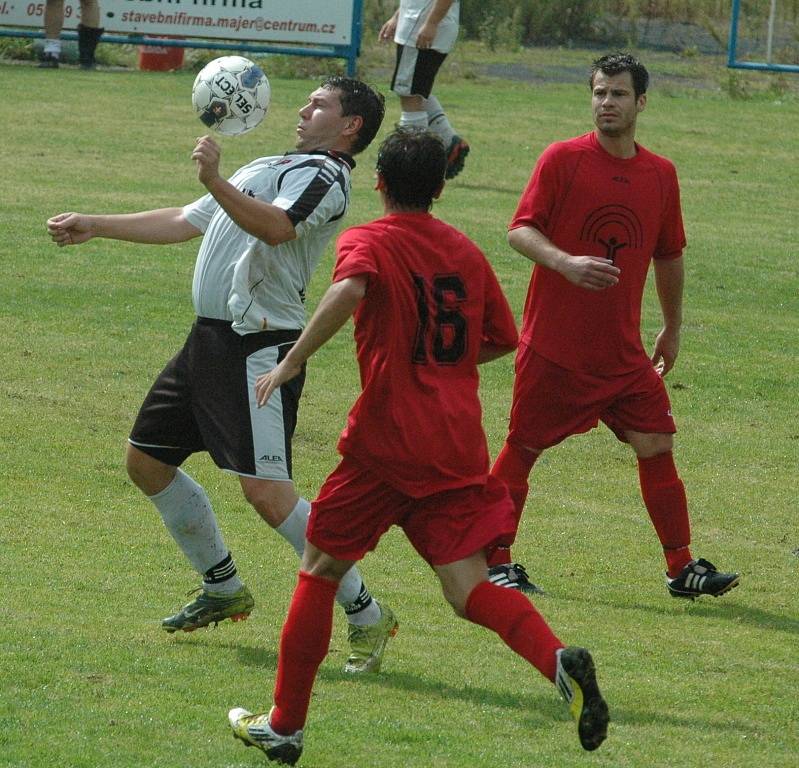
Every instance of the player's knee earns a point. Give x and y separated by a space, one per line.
515 462
459 609
272 500
457 601
149 475
647 445
134 464
263 503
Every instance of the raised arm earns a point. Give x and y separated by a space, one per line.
669 281
263 220
160 226
590 272
335 308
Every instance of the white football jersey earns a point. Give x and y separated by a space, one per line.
261 287
412 14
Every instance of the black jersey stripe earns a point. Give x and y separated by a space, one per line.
328 174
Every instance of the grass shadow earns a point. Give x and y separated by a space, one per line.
757 617
621 715
494 188
547 702
535 708
727 611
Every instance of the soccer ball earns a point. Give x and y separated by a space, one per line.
231 95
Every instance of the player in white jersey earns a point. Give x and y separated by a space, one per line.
267 282
425 31
264 231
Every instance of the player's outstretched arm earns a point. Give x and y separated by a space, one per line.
335 308
669 281
160 226
590 272
260 219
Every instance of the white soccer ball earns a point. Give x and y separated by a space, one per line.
231 95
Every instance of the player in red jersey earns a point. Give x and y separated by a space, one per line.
596 211
427 309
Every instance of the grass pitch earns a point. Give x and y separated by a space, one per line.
89 679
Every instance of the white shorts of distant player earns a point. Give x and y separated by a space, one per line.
415 70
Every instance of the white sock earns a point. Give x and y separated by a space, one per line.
187 514
363 610
292 529
438 120
416 120
352 595
53 47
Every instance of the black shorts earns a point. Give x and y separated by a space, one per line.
204 400
415 71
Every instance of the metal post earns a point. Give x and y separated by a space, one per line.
770 38
733 42
355 38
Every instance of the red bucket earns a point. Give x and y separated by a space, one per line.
160 58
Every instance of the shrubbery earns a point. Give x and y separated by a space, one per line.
557 22
529 21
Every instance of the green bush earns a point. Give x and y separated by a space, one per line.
16 48
531 21
546 22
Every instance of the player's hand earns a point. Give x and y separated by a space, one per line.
591 272
267 383
69 229
427 34
206 154
388 30
667 347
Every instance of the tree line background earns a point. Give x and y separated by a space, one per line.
573 22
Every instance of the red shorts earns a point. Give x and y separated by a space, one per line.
551 403
355 508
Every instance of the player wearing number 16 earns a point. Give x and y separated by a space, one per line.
428 309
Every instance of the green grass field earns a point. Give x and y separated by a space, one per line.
88 678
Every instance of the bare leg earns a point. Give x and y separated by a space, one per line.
53 18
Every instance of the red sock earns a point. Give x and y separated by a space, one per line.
513 467
512 616
304 643
664 496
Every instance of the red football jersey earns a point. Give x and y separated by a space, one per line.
589 203
432 299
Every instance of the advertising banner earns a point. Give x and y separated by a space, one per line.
314 22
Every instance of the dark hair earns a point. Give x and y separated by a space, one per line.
358 98
615 64
412 164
